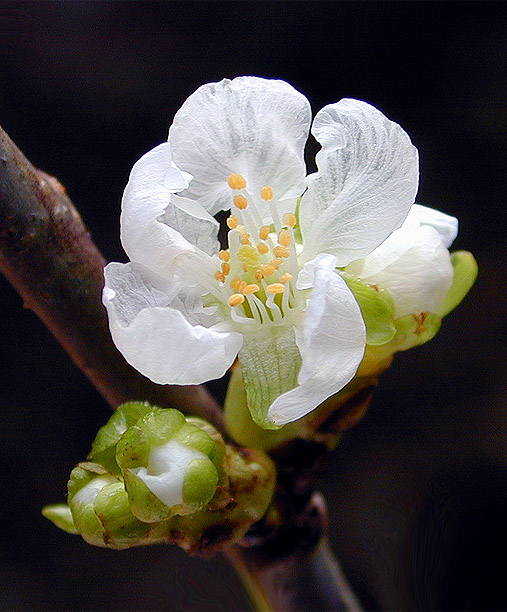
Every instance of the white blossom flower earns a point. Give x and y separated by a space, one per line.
182 310
413 264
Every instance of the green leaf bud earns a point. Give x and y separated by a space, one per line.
465 273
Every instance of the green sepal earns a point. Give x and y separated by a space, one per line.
217 456
81 476
199 486
104 446
414 330
377 309
145 505
270 363
195 438
84 516
121 528
465 273
240 425
61 516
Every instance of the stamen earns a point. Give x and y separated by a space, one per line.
286 277
264 232
289 219
226 268
253 288
276 262
263 248
232 222
240 201
284 238
266 193
245 239
224 255
235 283
236 181
219 276
259 276
276 288
236 299
267 270
281 251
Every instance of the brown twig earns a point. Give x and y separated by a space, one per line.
47 255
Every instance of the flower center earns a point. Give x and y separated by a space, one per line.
259 269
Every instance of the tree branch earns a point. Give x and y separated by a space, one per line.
295 570
47 255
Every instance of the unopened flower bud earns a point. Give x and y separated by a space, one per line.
167 464
100 508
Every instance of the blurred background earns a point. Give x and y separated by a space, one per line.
417 491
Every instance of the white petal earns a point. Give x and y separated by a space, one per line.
157 339
166 471
250 126
156 225
419 279
365 186
331 344
445 225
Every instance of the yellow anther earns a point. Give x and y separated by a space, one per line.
219 276
267 193
253 288
286 277
289 219
226 268
248 255
240 201
236 181
276 288
263 248
281 251
241 286
258 276
245 239
264 232
284 238
267 270
276 262
232 222
224 255
235 283
236 299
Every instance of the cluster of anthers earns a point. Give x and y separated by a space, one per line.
260 267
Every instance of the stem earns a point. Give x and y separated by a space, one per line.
47 255
304 578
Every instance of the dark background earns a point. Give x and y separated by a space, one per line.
417 490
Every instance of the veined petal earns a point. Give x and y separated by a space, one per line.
366 182
419 279
250 126
157 339
156 225
445 225
331 343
